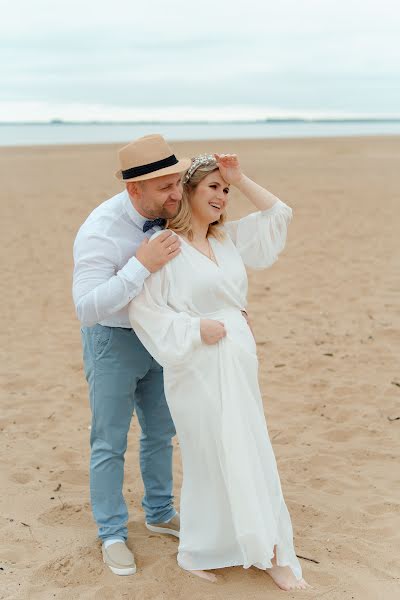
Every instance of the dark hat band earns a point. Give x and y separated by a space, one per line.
150 167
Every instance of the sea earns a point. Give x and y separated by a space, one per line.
59 132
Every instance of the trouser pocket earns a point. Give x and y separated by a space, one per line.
102 339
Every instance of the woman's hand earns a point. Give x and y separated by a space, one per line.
229 168
211 331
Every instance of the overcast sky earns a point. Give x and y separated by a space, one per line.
316 55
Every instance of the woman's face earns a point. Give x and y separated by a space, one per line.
210 198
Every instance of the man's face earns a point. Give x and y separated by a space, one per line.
158 197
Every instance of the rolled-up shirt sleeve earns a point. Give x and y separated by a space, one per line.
100 288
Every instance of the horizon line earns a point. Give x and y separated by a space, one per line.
311 120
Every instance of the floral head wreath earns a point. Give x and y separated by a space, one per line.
202 160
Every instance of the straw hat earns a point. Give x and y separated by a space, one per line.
149 157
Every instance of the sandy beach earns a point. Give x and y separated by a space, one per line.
327 323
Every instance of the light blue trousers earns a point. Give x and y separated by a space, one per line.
123 377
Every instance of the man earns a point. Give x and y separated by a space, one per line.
113 257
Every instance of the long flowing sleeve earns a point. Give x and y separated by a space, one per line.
168 335
261 236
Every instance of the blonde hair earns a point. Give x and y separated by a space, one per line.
182 222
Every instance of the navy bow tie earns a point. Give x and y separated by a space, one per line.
149 224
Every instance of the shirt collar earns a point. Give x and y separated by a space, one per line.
136 217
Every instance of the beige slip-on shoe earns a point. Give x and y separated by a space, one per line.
119 558
172 527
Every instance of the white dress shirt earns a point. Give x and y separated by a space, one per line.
107 275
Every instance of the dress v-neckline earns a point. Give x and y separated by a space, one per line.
214 262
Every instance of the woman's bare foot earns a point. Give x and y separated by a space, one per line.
205 575
286 580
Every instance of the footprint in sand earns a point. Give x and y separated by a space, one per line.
19 383
74 515
18 552
106 591
341 415
318 483
69 456
84 564
21 477
383 508
72 476
342 435
379 534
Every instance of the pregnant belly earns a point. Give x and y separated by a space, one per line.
219 377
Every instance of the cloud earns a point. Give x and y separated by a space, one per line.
214 53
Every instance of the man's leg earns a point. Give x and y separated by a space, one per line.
114 363
155 446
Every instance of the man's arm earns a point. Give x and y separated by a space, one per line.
99 290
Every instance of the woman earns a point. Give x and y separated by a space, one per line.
190 318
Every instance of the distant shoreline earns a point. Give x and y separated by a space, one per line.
60 132
278 120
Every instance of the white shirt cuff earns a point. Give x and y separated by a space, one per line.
134 271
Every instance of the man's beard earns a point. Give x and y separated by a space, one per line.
169 213
163 212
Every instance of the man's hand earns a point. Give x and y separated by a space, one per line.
211 331
156 253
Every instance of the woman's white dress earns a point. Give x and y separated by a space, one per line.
232 508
